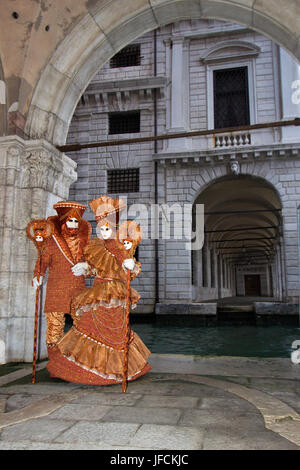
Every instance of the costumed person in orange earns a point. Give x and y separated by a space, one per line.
130 235
62 253
92 351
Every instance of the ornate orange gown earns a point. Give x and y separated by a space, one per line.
92 351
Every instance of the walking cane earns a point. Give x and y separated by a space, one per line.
38 231
127 335
36 314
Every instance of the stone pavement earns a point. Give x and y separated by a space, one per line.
185 403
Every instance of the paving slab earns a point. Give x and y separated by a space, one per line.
143 415
171 385
37 445
167 401
237 420
78 412
41 429
168 437
18 401
39 389
160 411
21 372
114 433
219 437
227 403
102 398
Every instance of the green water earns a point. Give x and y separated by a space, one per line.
247 341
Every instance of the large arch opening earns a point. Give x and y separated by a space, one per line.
113 92
106 30
242 255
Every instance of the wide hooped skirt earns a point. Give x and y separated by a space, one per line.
92 351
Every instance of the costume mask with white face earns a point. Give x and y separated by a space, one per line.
39 238
106 232
127 244
72 223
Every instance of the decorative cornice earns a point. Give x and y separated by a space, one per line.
217 31
243 49
98 93
218 156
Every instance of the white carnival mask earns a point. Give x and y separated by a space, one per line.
72 223
106 232
127 244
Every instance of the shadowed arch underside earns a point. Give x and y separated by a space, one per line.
109 27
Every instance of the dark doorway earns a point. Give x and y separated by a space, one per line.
252 285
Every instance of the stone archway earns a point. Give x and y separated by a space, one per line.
243 240
106 29
195 182
35 174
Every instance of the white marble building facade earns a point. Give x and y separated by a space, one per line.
250 209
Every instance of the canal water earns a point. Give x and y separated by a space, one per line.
246 341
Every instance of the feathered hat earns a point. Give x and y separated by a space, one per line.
39 230
106 209
68 209
131 231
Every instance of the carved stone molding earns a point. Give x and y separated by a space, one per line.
35 164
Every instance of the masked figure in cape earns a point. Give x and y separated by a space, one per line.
92 351
62 251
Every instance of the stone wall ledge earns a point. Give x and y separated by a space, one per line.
186 309
275 308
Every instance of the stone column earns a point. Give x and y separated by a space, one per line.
219 275
179 99
33 175
279 274
275 280
290 98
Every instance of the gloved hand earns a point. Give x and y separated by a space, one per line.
37 283
129 264
80 269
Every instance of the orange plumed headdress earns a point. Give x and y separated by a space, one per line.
131 231
107 209
39 230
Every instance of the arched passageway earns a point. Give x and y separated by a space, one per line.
242 253
106 29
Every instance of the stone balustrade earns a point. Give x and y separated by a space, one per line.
231 140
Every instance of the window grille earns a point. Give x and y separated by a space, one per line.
130 56
123 181
124 123
231 98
